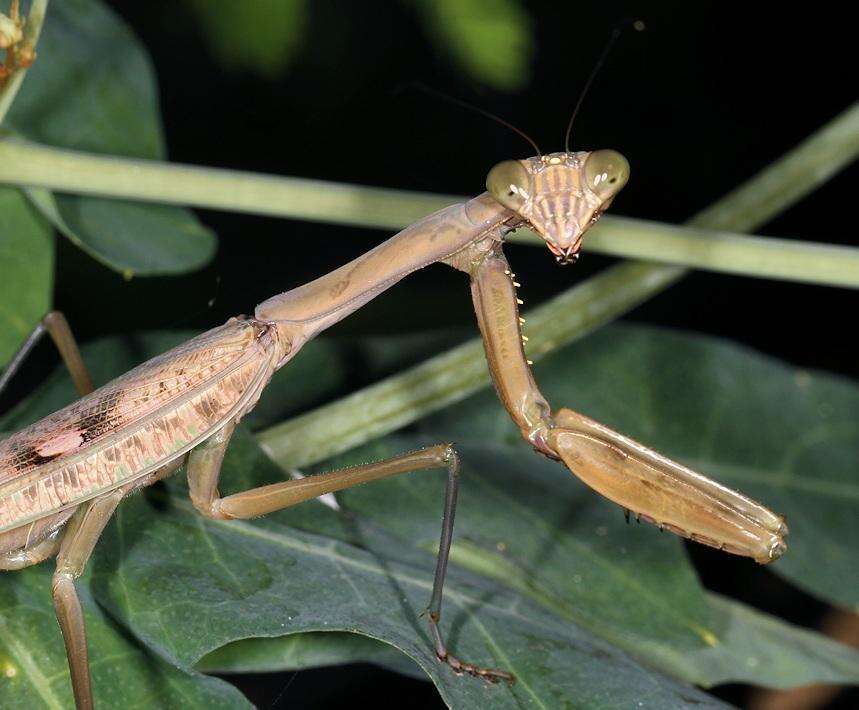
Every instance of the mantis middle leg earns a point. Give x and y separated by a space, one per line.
79 539
55 325
204 465
43 538
30 555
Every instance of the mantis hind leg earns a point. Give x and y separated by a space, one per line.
204 465
30 555
30 544
81 534
55 325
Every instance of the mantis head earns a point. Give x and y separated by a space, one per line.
560 195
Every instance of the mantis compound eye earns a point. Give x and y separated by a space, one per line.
509 183
606 172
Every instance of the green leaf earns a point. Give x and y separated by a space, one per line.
93 89
757 638
262 36
491 40
546 579
773 653
33 671
136 238
312 649
27 266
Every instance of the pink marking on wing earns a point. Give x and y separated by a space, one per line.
61 443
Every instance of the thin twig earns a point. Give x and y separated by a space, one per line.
710 245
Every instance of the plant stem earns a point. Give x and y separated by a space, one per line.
722 251
710 245
452 376
31 164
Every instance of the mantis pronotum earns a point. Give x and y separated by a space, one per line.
62 478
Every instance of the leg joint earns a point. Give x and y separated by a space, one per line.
62 586
452 458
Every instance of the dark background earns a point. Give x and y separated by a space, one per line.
707 96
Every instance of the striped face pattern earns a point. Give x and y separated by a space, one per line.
560 195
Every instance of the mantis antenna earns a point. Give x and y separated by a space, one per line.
639 26
464 104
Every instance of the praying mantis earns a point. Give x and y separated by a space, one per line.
62 478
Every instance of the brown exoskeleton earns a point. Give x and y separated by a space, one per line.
62 478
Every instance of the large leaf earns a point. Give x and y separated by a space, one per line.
311 649
135 238
27 266
93 88
546 578
758 637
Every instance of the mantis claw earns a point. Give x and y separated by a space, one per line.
490 675
665 493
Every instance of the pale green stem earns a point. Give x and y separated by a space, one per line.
452 376
723 251
32 30
710 246
31 164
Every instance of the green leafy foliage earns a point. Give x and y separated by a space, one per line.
491 40
760 637
311 649
93 89
136 238
261 36
33 669
27 265
546 578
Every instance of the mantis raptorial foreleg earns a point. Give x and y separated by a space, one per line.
55 325
641 480
204 467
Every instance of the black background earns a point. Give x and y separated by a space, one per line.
709 95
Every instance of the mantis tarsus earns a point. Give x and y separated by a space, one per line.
62 478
